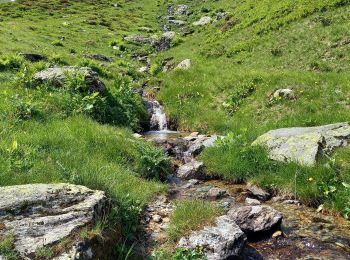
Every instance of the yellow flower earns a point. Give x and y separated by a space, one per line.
311 179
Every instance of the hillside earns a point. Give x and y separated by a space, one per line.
71 73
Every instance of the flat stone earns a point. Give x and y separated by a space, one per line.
223 241
252 219
138 39
43 214
304 144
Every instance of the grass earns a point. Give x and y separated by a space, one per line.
190 215
7 247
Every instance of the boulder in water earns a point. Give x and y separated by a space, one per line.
304 144
253 219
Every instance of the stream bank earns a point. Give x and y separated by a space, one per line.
303 234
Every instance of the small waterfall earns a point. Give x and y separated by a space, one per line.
158 118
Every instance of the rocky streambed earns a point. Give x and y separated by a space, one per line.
255 225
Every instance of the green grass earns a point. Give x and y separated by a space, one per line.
326 183
190 215
7 247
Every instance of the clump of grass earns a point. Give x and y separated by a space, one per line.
190 215
10 62
7 247
44 253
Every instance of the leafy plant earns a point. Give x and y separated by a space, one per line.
188 254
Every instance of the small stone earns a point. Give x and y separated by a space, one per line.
136 135
216 193
252 202
157 218
277 234
184 65
204 189
170 35
144 69
203 21
258 193
295 202
284 93
193 169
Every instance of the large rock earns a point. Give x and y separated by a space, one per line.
252 219
223 241
191 170
184 65
43 214
58 76
162 44
304 144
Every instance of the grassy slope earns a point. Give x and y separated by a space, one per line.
266 45
46 134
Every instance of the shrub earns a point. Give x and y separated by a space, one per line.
11 62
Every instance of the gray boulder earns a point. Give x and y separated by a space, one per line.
222 241
170 35
203 21
284 93
191 170
216 193
304 144
43 214
58 75
253 219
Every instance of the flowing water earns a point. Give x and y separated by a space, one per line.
307 234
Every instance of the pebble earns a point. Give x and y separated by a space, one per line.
277 234
252 202
157 218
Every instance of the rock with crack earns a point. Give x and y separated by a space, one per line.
253 219
304 144
191 170
203 21
223 241
258 193
59 75
40 215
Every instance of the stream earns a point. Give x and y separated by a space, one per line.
305 233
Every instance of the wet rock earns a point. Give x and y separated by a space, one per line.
193 169
100 57
203 21
258 193
33 57
252 219
43 214
216 193
222 241
277 234
304 144
58 75
138 39
184 65
252 202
